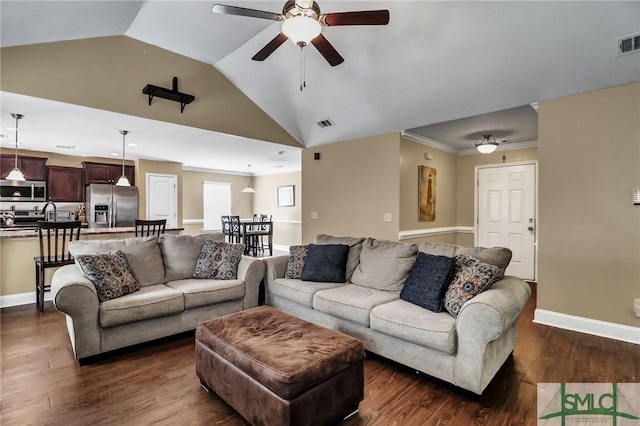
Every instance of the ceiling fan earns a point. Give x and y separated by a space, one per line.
302 22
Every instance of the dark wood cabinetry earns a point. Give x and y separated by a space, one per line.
34 168
65 183
106 173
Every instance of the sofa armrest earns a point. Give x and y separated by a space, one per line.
251 271
483 319
75 296
276 267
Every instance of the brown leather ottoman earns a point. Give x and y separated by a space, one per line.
275 369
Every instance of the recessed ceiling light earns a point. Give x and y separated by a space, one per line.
115 154
278 167
66 146
132 144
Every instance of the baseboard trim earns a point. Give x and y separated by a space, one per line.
609 330
21 299
281 247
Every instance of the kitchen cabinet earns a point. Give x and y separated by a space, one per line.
65 183
106 173
34 168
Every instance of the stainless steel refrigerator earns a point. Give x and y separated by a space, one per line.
111 206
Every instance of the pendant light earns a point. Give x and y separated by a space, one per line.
487 145
15 173
249 189
123 181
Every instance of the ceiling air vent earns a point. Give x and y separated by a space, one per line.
325 123
629 44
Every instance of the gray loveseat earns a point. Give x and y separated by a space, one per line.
169 300
466 351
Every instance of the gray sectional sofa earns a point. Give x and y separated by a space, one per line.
169 300
466 351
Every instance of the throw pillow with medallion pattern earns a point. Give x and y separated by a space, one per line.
295 262
109 272
470 277
218 260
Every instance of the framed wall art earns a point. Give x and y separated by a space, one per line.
286 196
426 194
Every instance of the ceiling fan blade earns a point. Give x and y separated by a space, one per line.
327 50
364 17
242 11
270 47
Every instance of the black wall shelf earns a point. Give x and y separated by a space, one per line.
169 94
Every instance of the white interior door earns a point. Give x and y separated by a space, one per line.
162 195
216 199
506 214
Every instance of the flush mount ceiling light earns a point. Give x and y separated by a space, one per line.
15 173
123 181
249 189
487 145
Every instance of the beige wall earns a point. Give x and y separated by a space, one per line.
109 73
351 187
589 231
287 225
193 208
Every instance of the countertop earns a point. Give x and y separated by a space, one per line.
6 235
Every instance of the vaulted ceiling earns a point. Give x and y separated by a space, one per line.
434 63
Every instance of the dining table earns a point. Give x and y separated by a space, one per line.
247 225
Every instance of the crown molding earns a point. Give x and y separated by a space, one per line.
429 142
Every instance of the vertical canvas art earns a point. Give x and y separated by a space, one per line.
427 193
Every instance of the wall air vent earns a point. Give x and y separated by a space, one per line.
325 123
629 44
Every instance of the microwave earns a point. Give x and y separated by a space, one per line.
61 216
28 190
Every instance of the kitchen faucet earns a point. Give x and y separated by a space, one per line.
55 210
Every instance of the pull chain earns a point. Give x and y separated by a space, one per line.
303 68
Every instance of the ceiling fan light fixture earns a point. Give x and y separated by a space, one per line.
301 29
487 145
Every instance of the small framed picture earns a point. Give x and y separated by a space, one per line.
286 196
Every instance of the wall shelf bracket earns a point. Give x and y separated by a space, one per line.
169 94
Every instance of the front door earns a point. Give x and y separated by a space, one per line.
506 215
162 192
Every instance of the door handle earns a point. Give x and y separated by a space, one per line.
530 228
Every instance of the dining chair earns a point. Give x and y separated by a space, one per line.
235 229
145 228
226 227
54 252
258 232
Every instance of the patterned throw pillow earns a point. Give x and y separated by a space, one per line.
218 260
110 274
470 277
295 263
428 281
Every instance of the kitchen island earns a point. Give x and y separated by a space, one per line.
17 268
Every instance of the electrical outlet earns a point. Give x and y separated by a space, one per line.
314 215
387 217
636 307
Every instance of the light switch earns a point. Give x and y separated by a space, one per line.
314 215
387 217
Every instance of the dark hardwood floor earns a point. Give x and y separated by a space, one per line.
42 384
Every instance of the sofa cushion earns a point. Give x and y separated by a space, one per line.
470 277
150 302
351 302
295 262
199 292
355 247
110 274
180 253
384 265
410 322
428 281
326 263
447 250
143 255
497 256
299 291
218 260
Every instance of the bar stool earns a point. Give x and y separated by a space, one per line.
54 251
145 228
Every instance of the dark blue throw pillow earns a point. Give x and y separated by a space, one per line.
326 263
428 281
